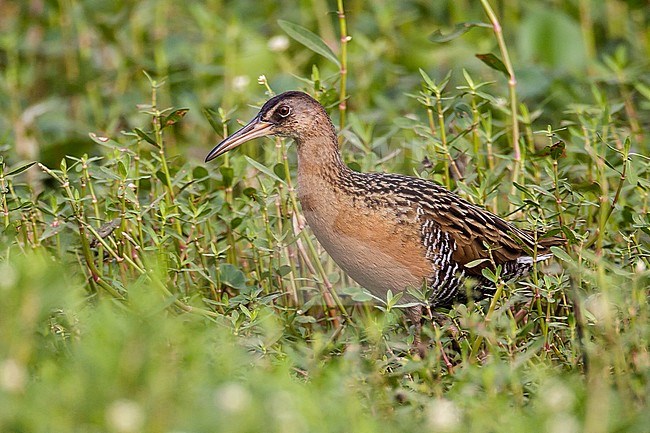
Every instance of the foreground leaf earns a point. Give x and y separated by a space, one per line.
459 30
309 39
493 62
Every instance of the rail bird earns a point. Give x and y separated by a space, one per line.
390 231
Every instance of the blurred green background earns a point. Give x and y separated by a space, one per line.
73 67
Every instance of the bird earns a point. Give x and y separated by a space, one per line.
391 232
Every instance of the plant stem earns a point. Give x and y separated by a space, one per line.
5 208
344 66
512 87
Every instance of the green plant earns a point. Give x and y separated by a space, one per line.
144 291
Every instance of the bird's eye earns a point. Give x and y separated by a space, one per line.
284 111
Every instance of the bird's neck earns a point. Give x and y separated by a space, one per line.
319 157
322 176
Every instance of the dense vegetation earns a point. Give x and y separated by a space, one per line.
142 290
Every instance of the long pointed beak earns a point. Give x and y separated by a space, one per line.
254 129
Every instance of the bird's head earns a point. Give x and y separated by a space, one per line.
290 114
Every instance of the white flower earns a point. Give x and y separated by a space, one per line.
640 267
443 415
557 397
278 43
9 276
125 416
600 307
240 82
232 397
563 423
13 375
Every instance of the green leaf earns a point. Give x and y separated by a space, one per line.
278 169
146 137
468 78
561 254
459 30
227 174
20 169
475 263
354 166
427 80
121 169
358 294
490 275
175 116
161 176
231 276
524 190
110 174
643 90
199 172
263 169
246 311
305 319
432 86
392 300
493 62
211 116
610 165
315 77
309 39
236 222
250 192
283 270
555 150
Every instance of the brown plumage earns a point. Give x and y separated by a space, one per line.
389 231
